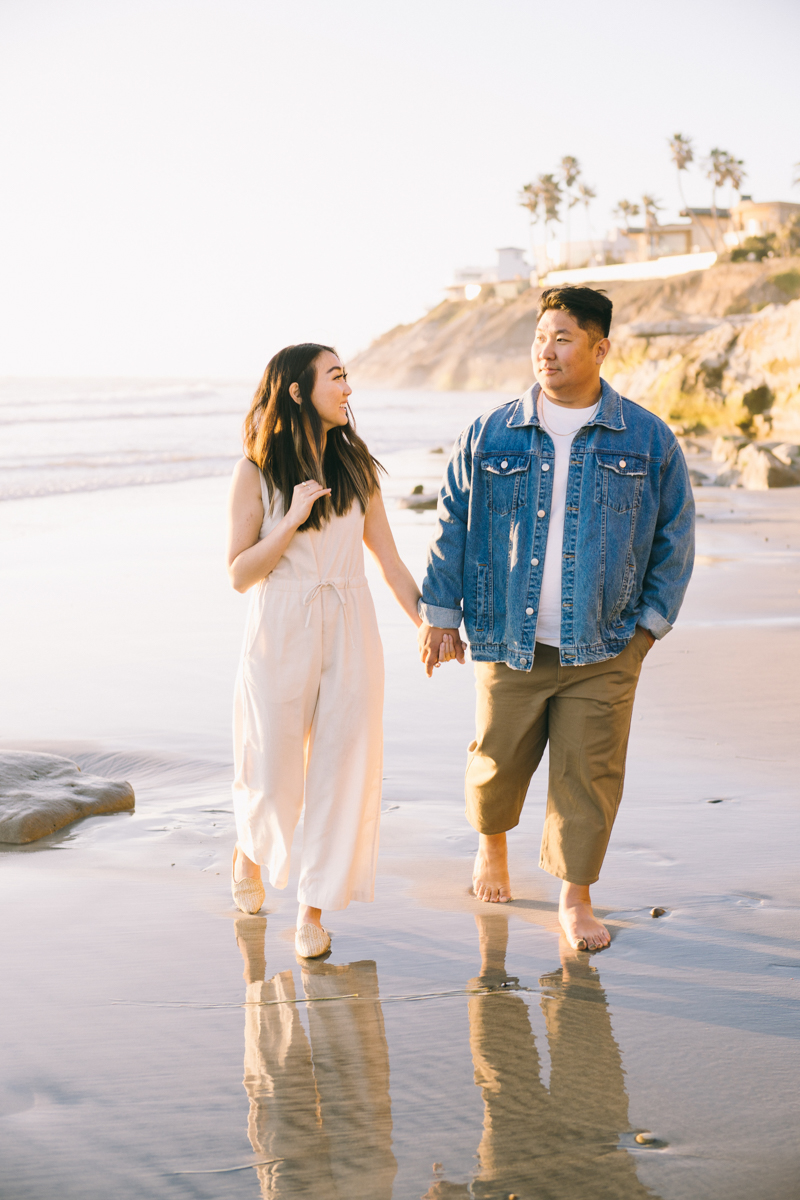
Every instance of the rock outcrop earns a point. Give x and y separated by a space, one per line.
757 466
41 793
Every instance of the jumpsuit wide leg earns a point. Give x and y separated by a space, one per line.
308 716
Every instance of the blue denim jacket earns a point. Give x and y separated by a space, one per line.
628 544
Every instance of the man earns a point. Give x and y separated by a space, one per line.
566 531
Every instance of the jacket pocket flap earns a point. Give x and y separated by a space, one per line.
505 464
623 464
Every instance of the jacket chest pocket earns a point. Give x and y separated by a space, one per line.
620 479
505 482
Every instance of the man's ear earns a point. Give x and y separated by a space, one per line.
294 392
601 350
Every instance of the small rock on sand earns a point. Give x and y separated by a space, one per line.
41 793
419 500
657 912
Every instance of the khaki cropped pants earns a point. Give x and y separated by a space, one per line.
585 715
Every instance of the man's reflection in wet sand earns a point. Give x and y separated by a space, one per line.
320 1115
556 1143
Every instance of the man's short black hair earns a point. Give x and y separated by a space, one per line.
589 307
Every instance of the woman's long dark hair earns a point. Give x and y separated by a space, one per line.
284 439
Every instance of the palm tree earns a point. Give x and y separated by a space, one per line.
651 208
530 197
585 197
682 152
625 209
735 172
550 191
716 166
569 169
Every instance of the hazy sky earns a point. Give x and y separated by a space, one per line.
187 185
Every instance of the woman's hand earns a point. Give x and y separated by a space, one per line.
303 498
249 559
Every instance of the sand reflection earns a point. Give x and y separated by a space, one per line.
559 1141
320 1115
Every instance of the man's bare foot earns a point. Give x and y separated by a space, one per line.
581 927
243 867
309 916
490 880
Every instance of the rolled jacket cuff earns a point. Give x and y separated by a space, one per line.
653 622
441 618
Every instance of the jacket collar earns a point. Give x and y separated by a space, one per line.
524 412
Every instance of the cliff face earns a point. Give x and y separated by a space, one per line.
718 348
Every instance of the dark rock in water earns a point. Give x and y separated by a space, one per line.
419 500
657 912
41 793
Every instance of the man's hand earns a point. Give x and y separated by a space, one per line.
438 645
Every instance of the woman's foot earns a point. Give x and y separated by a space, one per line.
244 867
247 891
309 916
490 881
311 939
582 929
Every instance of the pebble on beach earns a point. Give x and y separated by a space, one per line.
646 1139
657 912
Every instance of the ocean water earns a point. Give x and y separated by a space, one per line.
62 436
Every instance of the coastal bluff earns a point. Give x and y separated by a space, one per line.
715 350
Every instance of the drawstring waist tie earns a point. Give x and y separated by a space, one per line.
339 586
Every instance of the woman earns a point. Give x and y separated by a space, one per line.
309 695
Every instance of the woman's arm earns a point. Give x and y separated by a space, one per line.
251 560
379 541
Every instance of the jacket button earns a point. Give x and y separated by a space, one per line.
545 466
540 513
622 462
504 463
523 662
534 562
529 611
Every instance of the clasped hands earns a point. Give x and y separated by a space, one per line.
437 646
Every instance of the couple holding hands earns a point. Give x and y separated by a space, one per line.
564 543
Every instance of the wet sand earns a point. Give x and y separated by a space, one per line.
157 1043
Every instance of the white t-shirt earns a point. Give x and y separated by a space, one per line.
562 424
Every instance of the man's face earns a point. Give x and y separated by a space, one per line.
565 361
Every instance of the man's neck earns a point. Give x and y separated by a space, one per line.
585 398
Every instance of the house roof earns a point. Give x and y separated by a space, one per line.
704 212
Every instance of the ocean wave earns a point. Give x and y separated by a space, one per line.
92 478
80 418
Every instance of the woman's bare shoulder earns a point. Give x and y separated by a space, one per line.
246 469
246 479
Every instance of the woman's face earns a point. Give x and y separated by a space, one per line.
331 391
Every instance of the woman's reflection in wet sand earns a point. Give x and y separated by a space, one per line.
556 1143
320 1116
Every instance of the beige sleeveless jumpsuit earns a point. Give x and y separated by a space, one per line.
308 715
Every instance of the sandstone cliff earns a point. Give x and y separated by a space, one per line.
718 349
